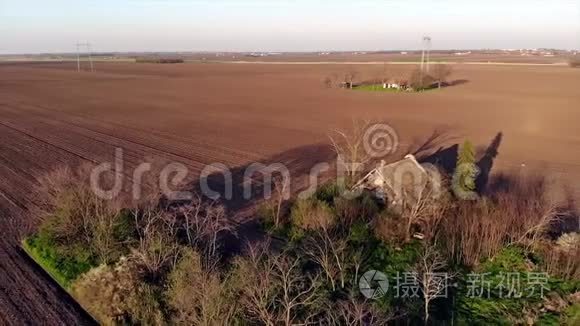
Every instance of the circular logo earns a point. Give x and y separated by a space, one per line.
380 140
373 284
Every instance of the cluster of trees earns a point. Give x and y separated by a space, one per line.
158 60
437 76
154 262
574 62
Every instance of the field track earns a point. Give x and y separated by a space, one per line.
235 114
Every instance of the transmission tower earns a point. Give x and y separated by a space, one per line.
426 53
87 48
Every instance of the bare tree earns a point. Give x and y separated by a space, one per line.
103 221
328 82
281 194
441 72
574 61
519 214
158 244
354 312
350 147
420 206
258 287
329 252
77 214
199 296
419 81
430 276
298 290
274 289
203 223
349 77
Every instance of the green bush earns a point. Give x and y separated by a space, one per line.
328 192
501 309
63 263
572 315
265 215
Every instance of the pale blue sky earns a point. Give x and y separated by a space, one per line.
300 25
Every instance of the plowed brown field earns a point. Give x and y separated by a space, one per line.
234 114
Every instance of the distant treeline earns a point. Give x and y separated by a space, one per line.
159 60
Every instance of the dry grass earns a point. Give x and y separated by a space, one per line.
312 214
563 259
517 214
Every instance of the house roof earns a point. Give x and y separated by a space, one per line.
406 172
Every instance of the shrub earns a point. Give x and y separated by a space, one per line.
328 192
441 72
159 60
574 62
312 214
64 264
265 214
275 289
572 316
351 210
199 297
419 80
116 295
520 214
390 228
494 306
72 215
563 258
465 173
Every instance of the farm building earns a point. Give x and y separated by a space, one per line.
404 180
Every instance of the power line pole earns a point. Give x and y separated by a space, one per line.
91 58
78 58
87 46
426 49
426 53
428 45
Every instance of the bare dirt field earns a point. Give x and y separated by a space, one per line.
235 114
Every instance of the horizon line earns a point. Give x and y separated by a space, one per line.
287 51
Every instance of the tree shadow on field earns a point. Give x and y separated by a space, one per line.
251 180
446 157
458 82
433 150
485 164
297 161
